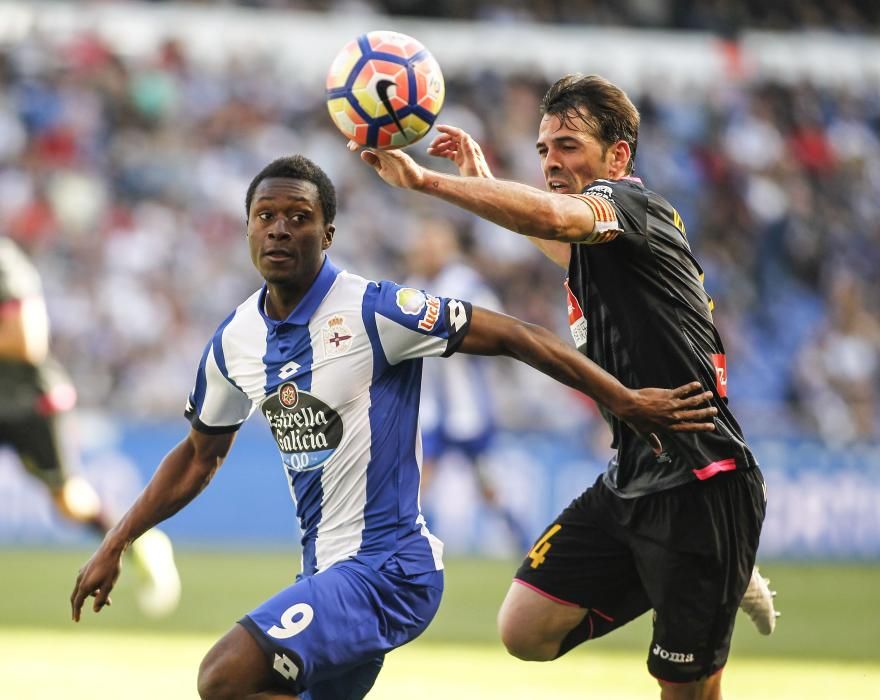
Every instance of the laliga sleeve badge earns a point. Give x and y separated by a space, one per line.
410 301
337 337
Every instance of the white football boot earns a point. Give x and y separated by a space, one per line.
159 591
757 603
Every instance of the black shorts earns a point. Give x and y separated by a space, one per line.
687 553
34 413
37 441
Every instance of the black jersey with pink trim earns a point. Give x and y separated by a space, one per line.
28 389
638 309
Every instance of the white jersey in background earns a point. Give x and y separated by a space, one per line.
457 405
338 382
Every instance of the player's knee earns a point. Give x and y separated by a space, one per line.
236 667
530 649
524 642
213 682
705 689
679 691
217 681
525 651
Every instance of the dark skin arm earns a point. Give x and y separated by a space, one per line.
648 410
182 475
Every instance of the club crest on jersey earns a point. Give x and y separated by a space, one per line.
410 301
337 337
603 191
307 431
288 395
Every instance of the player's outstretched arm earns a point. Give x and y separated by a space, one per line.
520 208
181 476
647 410
462 149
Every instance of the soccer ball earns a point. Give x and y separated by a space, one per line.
384 90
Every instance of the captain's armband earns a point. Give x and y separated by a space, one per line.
606 227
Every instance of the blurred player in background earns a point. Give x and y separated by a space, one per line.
333 361
675 528
457 413
35 410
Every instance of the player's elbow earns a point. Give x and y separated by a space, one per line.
564 222
557 226
522 341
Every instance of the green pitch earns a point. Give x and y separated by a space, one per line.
825 647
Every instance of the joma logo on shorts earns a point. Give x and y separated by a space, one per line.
676 657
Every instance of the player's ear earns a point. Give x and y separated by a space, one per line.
619 154
328 236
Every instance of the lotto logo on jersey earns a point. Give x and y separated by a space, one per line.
307 430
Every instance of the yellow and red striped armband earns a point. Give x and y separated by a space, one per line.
604 215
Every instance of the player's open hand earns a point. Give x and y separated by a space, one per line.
96 579
684 409
395 167
461 148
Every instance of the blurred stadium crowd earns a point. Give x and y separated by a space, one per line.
722 16
125 180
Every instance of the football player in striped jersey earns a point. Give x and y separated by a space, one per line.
333 362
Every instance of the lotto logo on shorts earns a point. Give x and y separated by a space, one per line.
287 668
676 657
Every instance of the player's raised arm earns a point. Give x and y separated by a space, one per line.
181 476
682 409
520 208
462 149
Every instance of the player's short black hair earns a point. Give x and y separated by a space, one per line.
297 167
603 107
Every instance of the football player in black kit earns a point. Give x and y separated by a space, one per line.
673 524
36 403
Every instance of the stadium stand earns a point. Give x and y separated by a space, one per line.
122 171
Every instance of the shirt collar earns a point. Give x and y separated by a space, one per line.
307 306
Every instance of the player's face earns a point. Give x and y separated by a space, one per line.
286 231
571 158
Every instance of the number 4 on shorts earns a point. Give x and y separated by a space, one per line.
539 552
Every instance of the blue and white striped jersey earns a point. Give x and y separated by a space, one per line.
338 382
